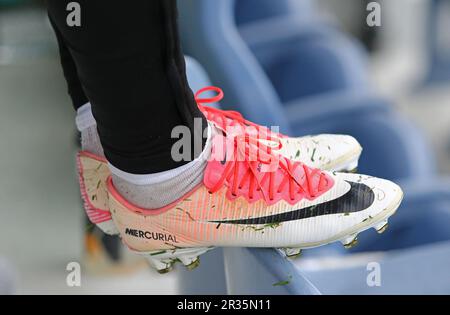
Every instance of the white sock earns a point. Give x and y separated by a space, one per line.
151 191
87 125
155 191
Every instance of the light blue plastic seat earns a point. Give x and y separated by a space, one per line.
421 270
403 154
235 62
256 10
393 147
417 271
210 36
301 54
438 43
260 271
422 219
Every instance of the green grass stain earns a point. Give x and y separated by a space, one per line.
283 282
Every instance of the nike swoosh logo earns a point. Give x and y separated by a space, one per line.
358 198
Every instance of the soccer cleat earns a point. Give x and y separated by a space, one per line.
382 227
92 174
292 253
93 171
350 241
251 197
326 152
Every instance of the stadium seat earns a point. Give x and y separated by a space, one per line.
255 10
244 62
421 270
416 271
300 53
438 42
422 219
262 272
393 147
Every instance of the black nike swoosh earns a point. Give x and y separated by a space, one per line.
358 198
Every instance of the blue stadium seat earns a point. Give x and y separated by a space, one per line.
229 62
303 76
422 219
438 42
262 272
301 54
255 10
419 270
422 270
393 148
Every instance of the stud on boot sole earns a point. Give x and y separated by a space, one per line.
164 271
381 227
162 264
292 253
193 265
164 260
350 241
190 261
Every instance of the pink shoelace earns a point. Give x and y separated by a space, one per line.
243 172
226 119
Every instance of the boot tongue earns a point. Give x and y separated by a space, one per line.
218 161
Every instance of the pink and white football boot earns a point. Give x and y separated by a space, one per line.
251 196
326 152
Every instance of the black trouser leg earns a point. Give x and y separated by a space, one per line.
128 61
75 89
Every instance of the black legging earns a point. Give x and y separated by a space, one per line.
126 60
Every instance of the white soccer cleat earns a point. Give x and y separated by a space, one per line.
243 204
